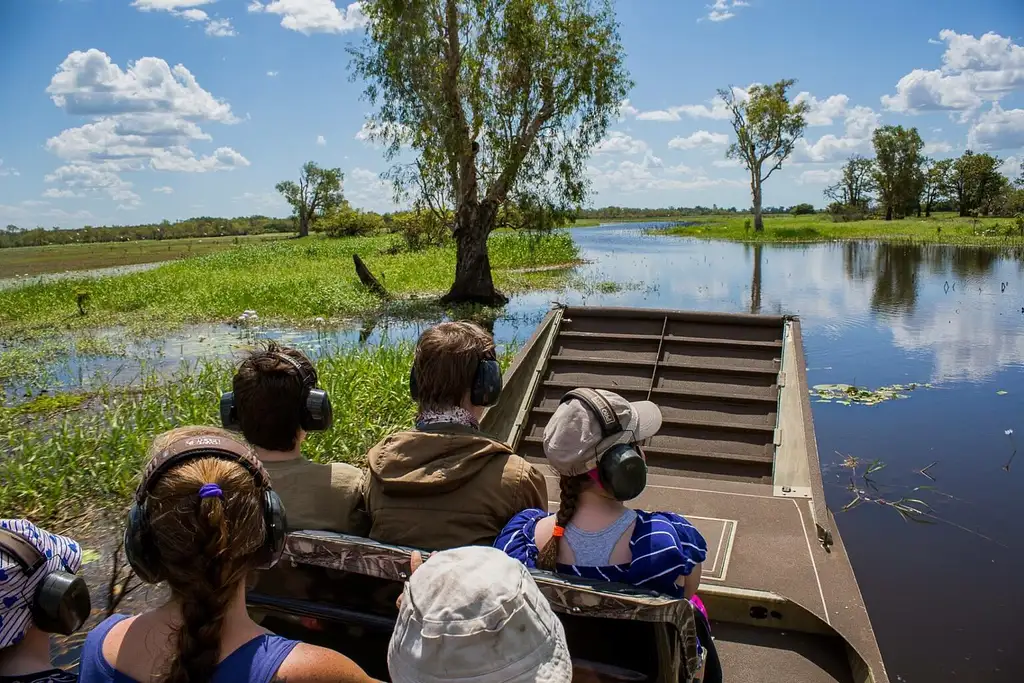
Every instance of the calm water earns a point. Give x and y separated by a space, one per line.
944 597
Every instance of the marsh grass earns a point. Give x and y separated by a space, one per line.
68 458
286 281
939 229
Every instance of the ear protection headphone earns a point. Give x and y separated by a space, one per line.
621 469
139 546
486 383
61 602
317 414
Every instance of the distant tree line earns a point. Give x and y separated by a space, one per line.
203 226
900 181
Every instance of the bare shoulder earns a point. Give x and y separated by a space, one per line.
312 664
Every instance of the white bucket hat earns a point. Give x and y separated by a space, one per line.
475 615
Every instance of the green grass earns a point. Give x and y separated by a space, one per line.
939 229
21 261
66 457
284 281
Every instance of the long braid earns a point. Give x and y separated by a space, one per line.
204 604
569 490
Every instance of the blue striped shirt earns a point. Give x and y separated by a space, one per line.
664 547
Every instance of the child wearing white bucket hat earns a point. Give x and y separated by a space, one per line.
474 615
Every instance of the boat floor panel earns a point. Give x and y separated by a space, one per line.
752 655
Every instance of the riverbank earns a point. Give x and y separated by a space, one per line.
292 282
67 458
939 229
29 261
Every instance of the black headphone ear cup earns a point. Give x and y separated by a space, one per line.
413 389
317 413
623 472
486 383
275 523
138 547
61 604
228 411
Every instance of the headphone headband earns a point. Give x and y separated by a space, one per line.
23 552
307 379
600 407
200 446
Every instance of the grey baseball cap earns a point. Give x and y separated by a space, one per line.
573 439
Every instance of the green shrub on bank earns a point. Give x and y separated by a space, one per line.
349 222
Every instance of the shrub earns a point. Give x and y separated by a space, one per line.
802 209
421 229
352 222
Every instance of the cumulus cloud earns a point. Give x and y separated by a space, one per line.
186 9
272 73
7 170
820 176
144 117
822 112
366 190
627 110
701 138
195 15
998 129
168 5
313 16
715 108
619 143
859 124
370 132
937 147
723 10
220 28
165 189
651 174
974 70
320 140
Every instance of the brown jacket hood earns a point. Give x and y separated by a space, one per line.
428 463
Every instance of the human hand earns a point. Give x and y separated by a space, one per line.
415 561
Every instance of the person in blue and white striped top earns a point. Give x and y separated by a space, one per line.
594 535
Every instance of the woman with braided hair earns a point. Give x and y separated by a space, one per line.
594 534
206 529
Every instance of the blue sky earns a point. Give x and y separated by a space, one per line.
130 111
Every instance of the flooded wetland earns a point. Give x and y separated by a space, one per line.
915 353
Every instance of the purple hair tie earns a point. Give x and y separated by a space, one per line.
210 491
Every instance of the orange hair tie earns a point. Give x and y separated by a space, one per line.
558 531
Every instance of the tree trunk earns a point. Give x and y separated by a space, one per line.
473 282
888 212
927 210
304 226
758 220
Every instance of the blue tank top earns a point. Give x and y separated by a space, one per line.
255 662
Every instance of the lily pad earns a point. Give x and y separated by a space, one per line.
846 394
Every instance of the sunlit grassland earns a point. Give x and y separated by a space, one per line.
285 281
57 258
939 229
66 457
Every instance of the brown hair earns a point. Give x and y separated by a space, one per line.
446 359
207 547
268 396
570 488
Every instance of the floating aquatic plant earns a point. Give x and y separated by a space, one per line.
846 394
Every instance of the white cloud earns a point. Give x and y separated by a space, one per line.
364 189
272 73
860 123
727 163
7 170
820 176
715 108
701 138
1011 166
195 15
166 189
263 202
320 140
937 147
313 16
55 193
619 143
974 70
722 10
651 174
144 117
220 28
822 112
88 83
369 130
627 110
21 214
998 129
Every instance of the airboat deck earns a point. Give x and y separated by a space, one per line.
736 455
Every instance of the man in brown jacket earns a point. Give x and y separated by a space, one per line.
445 483
271 388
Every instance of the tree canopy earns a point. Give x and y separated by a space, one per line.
498 102
897 172
317 192
767 127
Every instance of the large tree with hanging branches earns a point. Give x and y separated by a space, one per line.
497 103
